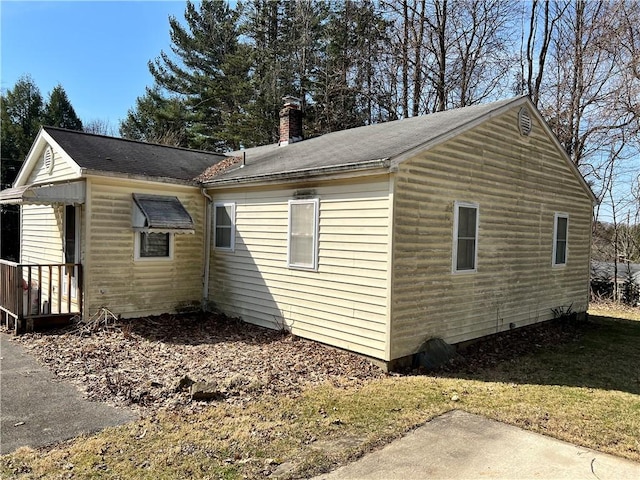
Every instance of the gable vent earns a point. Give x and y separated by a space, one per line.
524 122
47 159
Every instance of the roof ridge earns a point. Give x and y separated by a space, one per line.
415 118
139 142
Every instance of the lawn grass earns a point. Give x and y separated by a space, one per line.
586 391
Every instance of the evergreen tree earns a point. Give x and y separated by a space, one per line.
209 72
21 111
157 119
286 42
262 26
325 53
59 112
345 94
22 115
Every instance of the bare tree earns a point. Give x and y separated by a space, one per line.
449 54
583 93
543 20
99 126
481 50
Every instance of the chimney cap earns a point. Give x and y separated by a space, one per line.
290 100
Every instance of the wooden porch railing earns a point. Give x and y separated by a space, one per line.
31 294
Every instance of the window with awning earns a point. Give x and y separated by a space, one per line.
160 214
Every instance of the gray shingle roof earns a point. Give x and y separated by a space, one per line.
372 142
117 155
355 146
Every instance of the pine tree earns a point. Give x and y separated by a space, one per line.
209 72
21 113
157 119
345 95
59 112
262 24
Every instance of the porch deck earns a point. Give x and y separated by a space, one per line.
39 295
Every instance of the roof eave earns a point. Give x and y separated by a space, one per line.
364 167
132 176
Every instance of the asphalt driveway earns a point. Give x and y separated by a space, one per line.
37 409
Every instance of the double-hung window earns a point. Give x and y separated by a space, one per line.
224 226
303 234
560 238
465 237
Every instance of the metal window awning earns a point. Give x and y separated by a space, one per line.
160 214
69 193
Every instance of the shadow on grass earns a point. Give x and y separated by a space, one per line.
602 353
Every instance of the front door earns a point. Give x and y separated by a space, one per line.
71 247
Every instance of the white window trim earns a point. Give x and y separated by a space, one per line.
316 206
454 251
233 226
136 249
555 240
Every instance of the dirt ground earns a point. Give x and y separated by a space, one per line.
150 363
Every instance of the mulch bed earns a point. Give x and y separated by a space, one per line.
150 363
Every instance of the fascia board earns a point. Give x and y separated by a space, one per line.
38 145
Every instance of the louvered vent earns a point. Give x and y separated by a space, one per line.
48 159
524 122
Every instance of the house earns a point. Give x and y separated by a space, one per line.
454 225
94 202
604 275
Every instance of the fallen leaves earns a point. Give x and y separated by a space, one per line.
152 363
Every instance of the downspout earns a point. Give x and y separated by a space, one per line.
207 247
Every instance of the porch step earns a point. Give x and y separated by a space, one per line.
44 322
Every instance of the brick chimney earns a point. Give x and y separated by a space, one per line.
290 121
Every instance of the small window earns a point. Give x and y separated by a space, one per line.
303 233
224 226
560 237
153 245
465 237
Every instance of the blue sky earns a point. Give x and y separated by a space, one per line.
97 50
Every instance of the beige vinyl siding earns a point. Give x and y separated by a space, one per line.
138 288
42 244
42 232
344 302
63 169
519 184
42 226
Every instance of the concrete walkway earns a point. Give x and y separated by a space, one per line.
37 409
459 445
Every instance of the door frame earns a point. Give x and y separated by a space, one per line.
76 247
